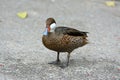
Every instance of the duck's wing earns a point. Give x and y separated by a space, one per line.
70 31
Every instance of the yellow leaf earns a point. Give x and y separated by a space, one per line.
22 14
110 3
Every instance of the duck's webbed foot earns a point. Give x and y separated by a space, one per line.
57 62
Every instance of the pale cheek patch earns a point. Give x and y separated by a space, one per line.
52 27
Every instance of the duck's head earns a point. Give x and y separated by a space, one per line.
50 26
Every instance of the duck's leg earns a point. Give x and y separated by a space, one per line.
57 62
68 60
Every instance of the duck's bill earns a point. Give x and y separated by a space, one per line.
45 32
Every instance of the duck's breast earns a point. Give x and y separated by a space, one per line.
51 42
63 43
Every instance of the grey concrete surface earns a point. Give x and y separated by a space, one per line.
23 56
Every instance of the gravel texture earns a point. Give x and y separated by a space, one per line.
23 56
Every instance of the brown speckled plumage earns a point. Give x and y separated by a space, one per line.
63 39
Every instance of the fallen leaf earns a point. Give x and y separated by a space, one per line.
110 3
22 15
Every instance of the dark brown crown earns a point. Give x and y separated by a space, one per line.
49 21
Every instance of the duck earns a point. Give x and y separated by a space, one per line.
62 39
